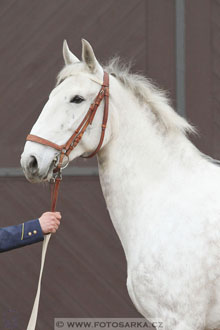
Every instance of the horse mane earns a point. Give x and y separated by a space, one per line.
144 90
148 93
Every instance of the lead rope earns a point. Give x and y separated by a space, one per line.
54 194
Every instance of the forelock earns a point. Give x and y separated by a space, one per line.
69 70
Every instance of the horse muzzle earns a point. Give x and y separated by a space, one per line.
35 170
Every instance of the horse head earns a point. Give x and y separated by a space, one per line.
77 87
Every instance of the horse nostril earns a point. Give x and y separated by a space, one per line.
33 165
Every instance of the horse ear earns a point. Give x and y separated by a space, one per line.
69 57
89 58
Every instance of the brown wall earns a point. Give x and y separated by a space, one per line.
203 72
85 271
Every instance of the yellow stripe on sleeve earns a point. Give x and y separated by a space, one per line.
22 232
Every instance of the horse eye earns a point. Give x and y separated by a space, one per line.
77 99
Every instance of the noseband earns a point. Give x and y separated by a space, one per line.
65 149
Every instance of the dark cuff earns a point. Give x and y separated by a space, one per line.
13 237
31 231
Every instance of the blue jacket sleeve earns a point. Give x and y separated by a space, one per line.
24 234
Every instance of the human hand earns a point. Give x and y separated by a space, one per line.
50 222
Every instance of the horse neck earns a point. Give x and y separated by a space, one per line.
140 145
137 158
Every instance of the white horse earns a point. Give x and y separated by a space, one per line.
163 194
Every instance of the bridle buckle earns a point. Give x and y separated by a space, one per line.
56 176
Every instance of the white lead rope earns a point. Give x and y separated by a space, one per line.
33 318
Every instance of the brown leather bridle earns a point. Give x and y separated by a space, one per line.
65 149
